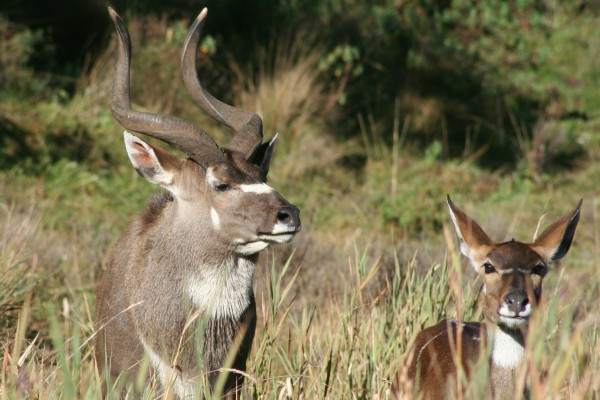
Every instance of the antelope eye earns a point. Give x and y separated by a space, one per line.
489 268
222 187
540 270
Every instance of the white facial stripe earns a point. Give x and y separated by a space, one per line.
508 352
512 270
505 271
257 188
215 218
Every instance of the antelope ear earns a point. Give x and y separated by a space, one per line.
263 154
155 165
474 242
554 243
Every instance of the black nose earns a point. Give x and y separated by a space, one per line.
289 215
516 301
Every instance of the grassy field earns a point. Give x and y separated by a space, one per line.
377 259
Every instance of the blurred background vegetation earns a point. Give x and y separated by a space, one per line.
383 107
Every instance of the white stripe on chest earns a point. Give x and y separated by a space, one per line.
169 377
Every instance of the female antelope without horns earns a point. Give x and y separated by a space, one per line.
512 274
177 289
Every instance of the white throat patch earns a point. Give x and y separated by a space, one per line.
507 352
224 291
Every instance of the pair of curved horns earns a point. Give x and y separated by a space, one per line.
189 138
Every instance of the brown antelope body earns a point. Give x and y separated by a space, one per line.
512 274
177 288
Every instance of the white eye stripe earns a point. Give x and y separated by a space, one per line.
511 270
258 188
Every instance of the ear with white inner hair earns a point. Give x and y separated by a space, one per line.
263 154
266 161
153 164
474 242
554 243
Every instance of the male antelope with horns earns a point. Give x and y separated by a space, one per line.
512 274
190 258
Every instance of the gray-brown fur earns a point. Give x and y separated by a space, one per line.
512 274
177 288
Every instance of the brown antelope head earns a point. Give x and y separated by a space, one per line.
194 250
512 273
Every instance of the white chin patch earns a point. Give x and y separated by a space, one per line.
282 238
251 248
514 322
510 318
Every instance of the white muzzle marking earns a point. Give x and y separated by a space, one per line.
280 228
510 318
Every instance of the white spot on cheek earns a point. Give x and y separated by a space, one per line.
258 188
215 218
210 177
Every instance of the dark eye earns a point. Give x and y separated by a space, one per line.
488 268
222 187
540 270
